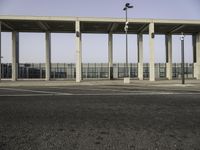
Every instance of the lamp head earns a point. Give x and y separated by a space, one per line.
127 5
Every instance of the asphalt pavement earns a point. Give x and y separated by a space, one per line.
103 117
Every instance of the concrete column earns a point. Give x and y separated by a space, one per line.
194 44
197 53
78 53
168 44
0 51
48 56
152 53
110 55
15 55
140 56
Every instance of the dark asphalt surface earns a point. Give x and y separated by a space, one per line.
99 118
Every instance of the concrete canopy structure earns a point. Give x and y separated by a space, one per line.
96 25
78 25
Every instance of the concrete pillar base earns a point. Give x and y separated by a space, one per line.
127 80
140 71
78 81
169 71
151 72
197 71
152 79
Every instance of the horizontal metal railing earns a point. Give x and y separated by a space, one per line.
92 70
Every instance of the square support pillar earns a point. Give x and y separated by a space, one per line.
15 55
152 52
0 51
168 44
194 46
140 56
48 56
78 52
197 58
110 55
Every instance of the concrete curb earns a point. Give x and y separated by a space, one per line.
161 83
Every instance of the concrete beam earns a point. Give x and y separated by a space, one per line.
197 64
112 27
143 28
110 55
78 52
152 53
15 55
8 26
48 56
176 28
168 44
140 56
43 26
89 19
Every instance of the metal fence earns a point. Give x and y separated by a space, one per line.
6 70
96 70
189 70
30 71
93 70
62 70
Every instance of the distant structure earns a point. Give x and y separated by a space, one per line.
110 26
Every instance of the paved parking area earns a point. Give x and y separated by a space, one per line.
23 88
110 117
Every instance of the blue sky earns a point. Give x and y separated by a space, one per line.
32 45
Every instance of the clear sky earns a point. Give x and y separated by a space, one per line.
32 45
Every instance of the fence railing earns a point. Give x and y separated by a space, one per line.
93 70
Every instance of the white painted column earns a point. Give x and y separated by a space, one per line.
48 56
197 64
15 55
78 53
140 56
0 51
168 44
110 55
152 53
